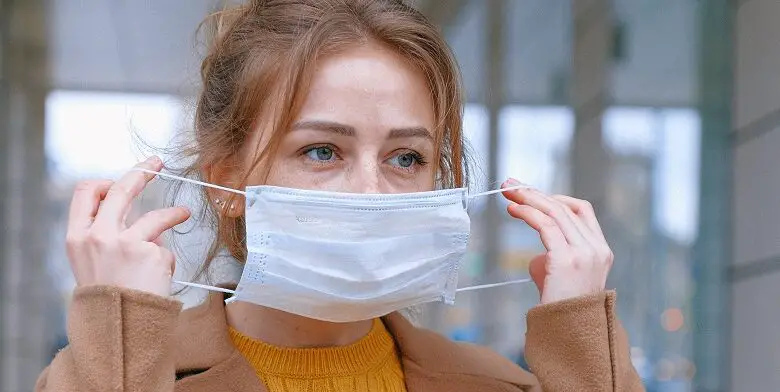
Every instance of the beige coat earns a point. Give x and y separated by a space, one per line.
129 341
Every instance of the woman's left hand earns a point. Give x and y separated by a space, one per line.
578 258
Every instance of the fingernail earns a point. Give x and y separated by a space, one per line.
153 159
513 182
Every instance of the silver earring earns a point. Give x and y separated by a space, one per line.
219 202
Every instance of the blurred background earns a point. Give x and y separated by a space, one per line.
665 114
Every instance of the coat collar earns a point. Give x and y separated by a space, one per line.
431 362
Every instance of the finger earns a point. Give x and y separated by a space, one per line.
549 207
584 210
153 224
549 232
85 203
122 193
537 268
586 232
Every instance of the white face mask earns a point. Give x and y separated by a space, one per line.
344 257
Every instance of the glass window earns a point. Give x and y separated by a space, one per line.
677 182
533 145
670 138
651 218
90 134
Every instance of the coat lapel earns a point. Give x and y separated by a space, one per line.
431 362
204 351
233 374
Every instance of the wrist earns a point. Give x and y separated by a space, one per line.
159 284
558 293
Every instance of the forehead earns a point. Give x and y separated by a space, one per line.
369 84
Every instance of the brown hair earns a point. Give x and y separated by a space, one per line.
259 64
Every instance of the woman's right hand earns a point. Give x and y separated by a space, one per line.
103 250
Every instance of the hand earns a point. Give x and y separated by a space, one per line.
101 248
578 258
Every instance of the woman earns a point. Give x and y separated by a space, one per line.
357 97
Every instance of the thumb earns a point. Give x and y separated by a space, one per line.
537 268
154 223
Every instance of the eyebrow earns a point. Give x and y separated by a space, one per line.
346 130
325 126
420 132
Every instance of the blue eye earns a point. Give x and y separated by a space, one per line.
321 153
407 160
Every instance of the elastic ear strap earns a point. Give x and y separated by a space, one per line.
191 181
509 188
205 287
491 285
470 288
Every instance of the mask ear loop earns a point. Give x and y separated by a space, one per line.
467 198
462 289
465 204
191 181
201 183
205 287
509 188
491 285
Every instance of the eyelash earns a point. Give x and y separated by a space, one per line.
306 150
418 158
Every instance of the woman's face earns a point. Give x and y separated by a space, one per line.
367 126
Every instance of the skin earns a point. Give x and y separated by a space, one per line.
365 127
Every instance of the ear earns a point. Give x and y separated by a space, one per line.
225 173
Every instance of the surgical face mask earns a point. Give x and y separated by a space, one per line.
345 257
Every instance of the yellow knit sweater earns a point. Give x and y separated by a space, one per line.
369 365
